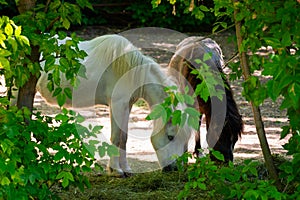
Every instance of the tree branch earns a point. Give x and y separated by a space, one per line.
255 109
52 23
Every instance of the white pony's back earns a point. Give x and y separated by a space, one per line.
111 51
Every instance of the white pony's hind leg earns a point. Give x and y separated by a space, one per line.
113 167
118 165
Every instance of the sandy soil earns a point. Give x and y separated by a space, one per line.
161 48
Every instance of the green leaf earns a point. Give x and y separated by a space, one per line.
13 43
286 39
57 91
202 91
193 122
66 23
204 8
198 13
61 99
64 63
218 155
56 76
8 30
66 177
54 5
201 186
188 99
97 129
4 52
216 27
5 181
59 155
198 61
60 175
251 194
68 92
183 119
112 150
207 56
102 151
157 112
4 63
172 1
192 111
179 97
224 24
285 131
69 176
80 118
3 2
84 3
50 86
272 41
18 31
272 90
253 171
61 117
49 63
176 118
24 40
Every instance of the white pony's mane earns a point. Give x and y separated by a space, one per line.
120 52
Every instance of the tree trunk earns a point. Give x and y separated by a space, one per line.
27 91
255 109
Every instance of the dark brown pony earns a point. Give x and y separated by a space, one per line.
223 129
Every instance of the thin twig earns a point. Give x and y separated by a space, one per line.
236 55
220 31
47 6
52 23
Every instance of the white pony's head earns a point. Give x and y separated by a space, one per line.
170 141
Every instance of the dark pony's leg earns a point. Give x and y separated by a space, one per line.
198 141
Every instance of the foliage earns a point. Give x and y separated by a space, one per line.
36 151
209 87
13 48
211 80
175 99
140 13
274 24
39 26
176 17
230 181
36 156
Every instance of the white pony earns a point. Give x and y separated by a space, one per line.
118 74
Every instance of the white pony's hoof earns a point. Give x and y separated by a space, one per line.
116 172
128 173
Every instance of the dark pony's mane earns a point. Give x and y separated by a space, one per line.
184 62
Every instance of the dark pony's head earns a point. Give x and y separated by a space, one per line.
224 128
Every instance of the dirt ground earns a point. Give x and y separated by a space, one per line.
140 151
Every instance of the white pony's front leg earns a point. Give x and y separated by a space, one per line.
119 114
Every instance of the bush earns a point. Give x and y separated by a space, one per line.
36 156
229 181
141 13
